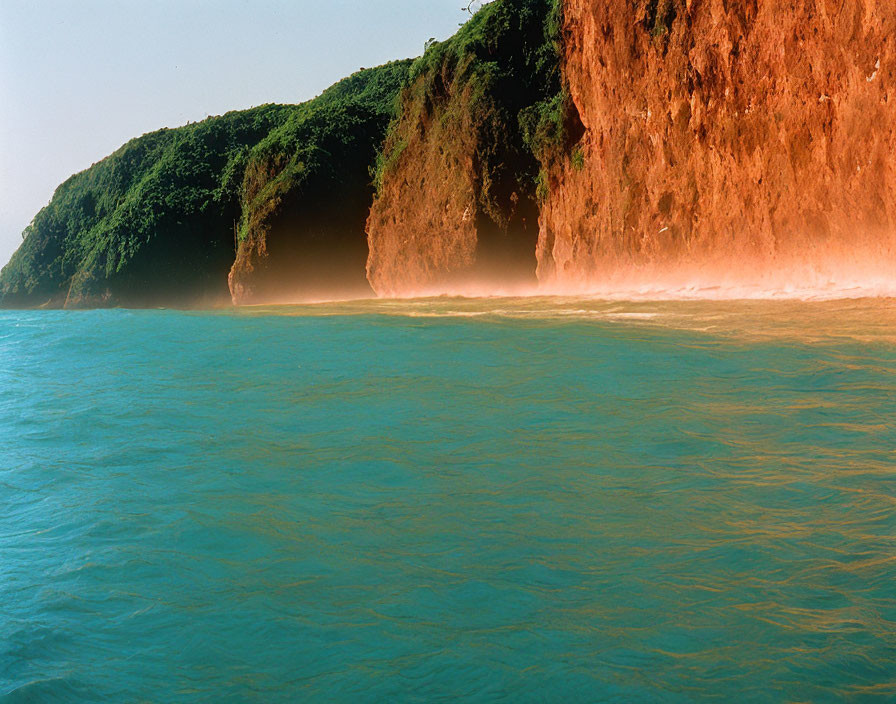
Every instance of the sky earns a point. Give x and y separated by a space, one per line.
78 78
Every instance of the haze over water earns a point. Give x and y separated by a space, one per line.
530 499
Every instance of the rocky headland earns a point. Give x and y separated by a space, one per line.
561 144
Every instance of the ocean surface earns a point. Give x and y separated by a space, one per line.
508 500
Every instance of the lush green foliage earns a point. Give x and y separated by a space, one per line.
154 187
377 88
505 38
551 127
507 56
154 222
315 145
160 220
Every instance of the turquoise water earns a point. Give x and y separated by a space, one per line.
517 500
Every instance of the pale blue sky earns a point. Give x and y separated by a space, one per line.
78 78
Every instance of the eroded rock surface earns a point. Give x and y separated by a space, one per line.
456 209
725 140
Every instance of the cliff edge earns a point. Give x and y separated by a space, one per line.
550 145
456 207
307 192
725 142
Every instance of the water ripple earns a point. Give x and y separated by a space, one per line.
502 500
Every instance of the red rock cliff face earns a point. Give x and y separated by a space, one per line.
421 231
456 209
448 218
724 140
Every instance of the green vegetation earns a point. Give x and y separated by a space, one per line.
153 223
505 39
164 199
320 142
506 58
307 191
549 125
164 219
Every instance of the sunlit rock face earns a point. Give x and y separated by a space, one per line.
725 139
456 209
422 230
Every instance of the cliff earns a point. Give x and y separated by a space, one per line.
152 224
307 193
725 142
580 145
159 222
456 204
